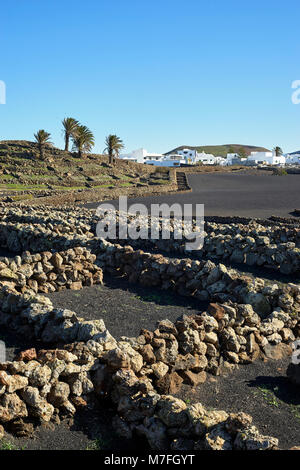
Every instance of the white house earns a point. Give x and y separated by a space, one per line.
192 157
269 158
205 158
220 161
182 157
141 155
166 161
188 154
292 159
231 157
158 159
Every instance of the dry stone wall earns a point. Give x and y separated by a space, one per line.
51 272
253 244
204 280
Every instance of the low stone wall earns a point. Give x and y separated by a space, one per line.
252 244
203 280
18 238
51 272
81 265
137 374
34 317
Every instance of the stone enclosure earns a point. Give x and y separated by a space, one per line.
79 361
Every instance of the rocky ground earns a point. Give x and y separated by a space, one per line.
62 177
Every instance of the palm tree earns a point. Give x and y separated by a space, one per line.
278 151
83 140
70 125
113 146
42 138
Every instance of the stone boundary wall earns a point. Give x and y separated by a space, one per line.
19 238
137 374
253 244
48 272
203 280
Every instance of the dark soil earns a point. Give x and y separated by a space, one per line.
91 429
234 194
260 389
124 307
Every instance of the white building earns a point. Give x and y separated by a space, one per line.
292 159
158 159
220 161
231 157
141 155
182 157
268 158
169 160
205 158
188 154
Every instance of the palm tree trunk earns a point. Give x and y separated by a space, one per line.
67 142
41 152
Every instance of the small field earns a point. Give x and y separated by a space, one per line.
241 194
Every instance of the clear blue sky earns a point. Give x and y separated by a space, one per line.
158 73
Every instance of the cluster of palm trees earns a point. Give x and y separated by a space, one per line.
82 139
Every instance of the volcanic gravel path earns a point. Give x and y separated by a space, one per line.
234 194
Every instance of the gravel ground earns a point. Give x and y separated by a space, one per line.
260 389
90 430
124 307
234 194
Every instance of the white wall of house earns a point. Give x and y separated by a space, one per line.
267 157
293 159
141 155
231 157
188 154
165 162
206 158
260 156
220 161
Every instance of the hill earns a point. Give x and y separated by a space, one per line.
21 169
222 150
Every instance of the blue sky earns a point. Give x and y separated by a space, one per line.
157 73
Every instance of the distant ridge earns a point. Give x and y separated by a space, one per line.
222 150
294 153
